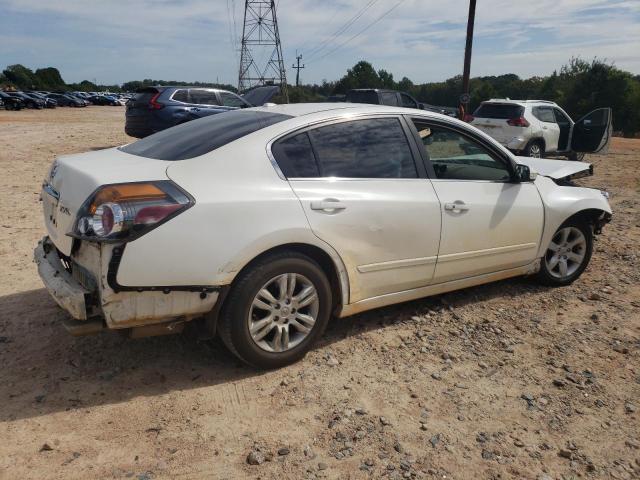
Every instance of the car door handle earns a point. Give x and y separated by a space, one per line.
328 205
456 207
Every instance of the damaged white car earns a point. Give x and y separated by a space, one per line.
260 224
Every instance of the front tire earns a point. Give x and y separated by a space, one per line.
576 156
567 255
276 310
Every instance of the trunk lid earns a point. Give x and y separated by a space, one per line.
556 169
73 178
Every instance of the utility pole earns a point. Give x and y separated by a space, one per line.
466 97
261 39
298 67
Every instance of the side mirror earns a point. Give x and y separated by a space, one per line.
524 174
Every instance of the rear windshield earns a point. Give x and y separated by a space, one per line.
201 136
497 110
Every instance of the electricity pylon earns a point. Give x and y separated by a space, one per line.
261 40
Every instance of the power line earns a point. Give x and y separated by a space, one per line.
314 52
363 30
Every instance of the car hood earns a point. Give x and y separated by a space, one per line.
557 169
261 95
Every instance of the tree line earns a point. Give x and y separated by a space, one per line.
579 87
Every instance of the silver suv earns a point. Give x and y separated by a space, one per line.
535 128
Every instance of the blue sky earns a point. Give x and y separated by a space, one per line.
113 41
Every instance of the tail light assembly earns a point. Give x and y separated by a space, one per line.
154 104
518 122
124 212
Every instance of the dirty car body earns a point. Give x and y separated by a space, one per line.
263 222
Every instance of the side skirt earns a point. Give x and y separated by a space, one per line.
438 288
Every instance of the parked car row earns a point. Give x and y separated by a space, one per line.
44 99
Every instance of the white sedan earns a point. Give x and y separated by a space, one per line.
260 224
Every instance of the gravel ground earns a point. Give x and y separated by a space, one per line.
508 380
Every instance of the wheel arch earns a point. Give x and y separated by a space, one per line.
329 261
539 140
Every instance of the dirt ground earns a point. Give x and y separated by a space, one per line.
509 380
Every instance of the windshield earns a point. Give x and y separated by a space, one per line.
201 136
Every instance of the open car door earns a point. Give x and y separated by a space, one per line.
592 133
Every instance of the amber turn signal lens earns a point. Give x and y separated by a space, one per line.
126 192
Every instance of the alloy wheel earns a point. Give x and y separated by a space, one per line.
566 253
535 151
283 312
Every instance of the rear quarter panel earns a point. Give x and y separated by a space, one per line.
242 208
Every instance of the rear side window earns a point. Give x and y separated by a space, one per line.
180 96
372 148
201 136
544 114
295 156
499 110
203 97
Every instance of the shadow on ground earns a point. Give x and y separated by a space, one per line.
45 370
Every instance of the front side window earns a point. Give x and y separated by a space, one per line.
371 148
561 118
203 97
544 114
231 100
457 157
407 101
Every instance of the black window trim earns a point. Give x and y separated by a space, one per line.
415 153
492 149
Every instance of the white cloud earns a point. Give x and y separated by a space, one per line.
118 40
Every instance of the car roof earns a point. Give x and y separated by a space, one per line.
332 109
519 102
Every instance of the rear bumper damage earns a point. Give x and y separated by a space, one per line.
80 284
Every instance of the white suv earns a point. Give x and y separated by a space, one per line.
533 128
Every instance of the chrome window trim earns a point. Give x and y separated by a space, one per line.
188 89
333 121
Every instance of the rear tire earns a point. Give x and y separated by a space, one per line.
568 254
276 310
534 149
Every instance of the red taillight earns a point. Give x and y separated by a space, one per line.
123 212
468 118
518 122
155 213
154 104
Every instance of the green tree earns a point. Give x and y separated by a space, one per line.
361 75
22 77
